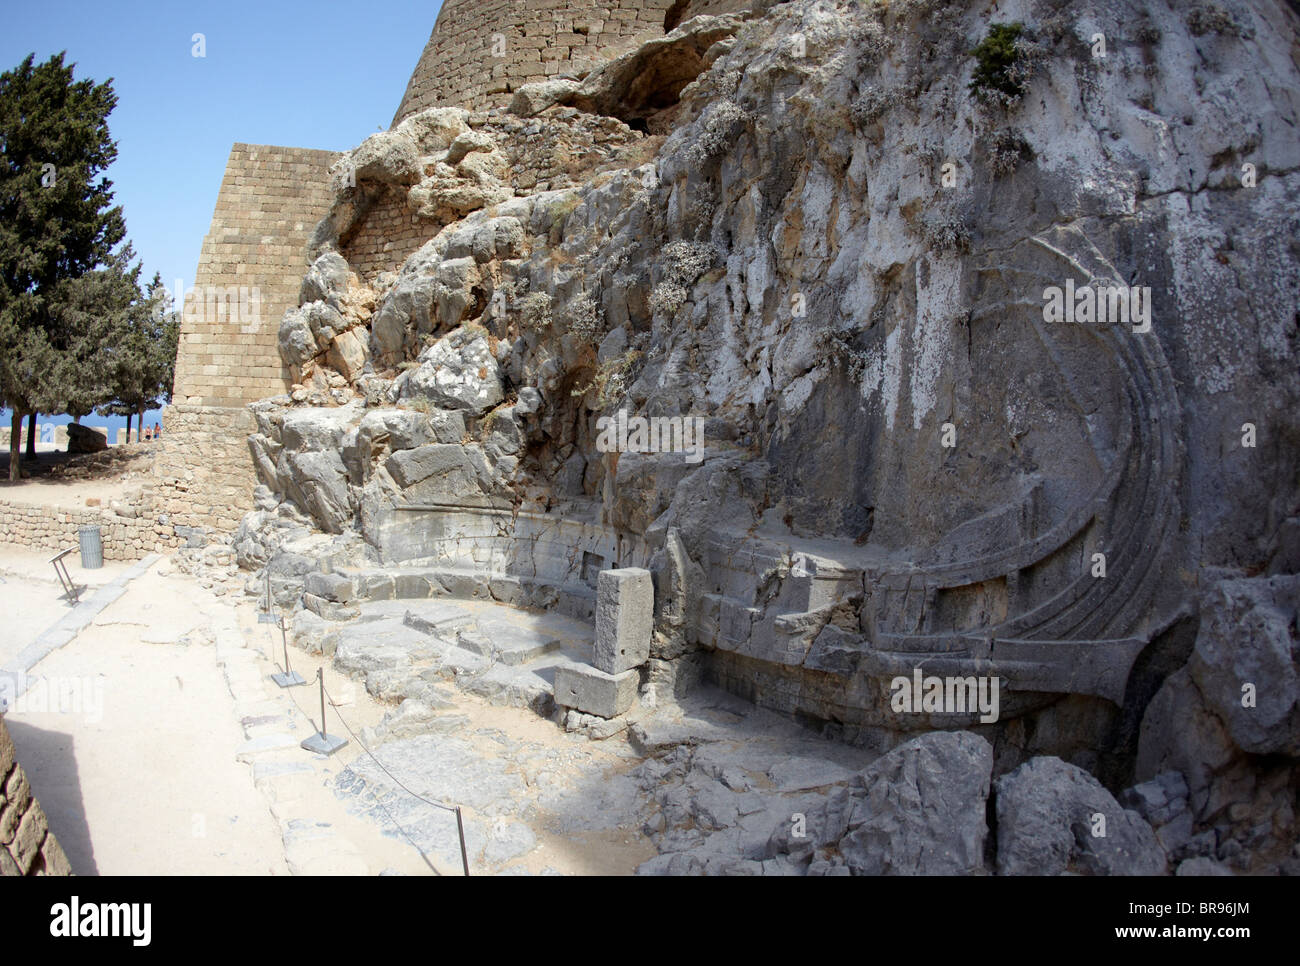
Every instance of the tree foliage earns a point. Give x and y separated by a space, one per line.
141 361
57 223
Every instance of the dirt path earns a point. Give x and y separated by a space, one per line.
126 735
158 745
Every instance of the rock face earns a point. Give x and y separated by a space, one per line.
83 439
1054 818
839 239
459 371
921 811
1212 719
895 336
918 810
1247 662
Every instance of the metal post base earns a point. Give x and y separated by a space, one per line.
290 680
324 744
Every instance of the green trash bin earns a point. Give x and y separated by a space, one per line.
92 548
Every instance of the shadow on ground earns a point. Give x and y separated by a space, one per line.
51 767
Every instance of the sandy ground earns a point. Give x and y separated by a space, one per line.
40 488
158 744
32 596
135 737
127 743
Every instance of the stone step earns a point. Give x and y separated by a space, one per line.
437 618
507 643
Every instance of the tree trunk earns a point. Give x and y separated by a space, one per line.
128 427
140 425
15 445
31 435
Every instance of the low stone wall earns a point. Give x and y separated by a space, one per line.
55 528
202 485
203 473
27 846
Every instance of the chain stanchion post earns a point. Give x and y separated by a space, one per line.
323 743
288 678
460 828
264 616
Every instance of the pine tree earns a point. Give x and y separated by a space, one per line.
90 316
143 356
56 222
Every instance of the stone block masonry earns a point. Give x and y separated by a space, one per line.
270 201
267 208
203 472
482 50
27 846
55 528
202 480
592 691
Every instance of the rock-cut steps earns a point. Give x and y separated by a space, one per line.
411 648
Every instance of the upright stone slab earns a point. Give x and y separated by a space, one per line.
625 616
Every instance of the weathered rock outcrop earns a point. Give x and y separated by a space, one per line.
922 809
1055 818
83 439
847 257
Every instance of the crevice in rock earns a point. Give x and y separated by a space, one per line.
1167 652
674 15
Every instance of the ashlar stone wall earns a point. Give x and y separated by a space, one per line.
270 201
27 846
482 50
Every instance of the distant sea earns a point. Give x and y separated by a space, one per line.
152 417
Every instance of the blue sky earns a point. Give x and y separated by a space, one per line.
314 75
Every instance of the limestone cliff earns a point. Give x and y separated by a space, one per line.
837 234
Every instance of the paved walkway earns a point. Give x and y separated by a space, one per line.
34 597
127 732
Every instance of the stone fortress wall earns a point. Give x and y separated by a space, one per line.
269 203
481 50
480 53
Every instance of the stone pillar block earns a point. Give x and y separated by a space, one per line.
625 617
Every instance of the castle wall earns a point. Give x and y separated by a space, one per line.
270 201
390 233
203 472
482 50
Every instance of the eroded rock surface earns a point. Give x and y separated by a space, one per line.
823 232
